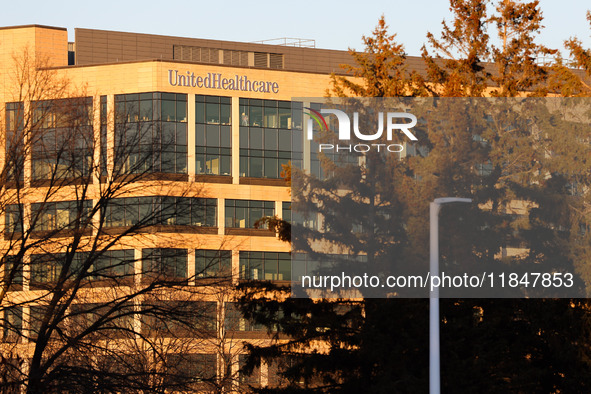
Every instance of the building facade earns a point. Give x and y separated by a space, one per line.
135 169
130 157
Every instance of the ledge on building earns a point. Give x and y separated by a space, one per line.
61 182
213 178
66 233
263 181
252 232
161 229
155 176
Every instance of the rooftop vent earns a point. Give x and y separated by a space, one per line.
289 42
228 56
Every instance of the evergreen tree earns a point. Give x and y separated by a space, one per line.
520 162
517 59
569 82
355 339
457 68
379 71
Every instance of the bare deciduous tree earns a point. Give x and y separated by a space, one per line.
97 293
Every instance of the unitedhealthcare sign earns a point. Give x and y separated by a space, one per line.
218 81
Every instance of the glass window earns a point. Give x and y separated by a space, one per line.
12 324
283 267
213 135
263 151
226 137
270 168
213 263
286 211
13 218
46 268
157 210
244 213
14 144
55 151
213 113
114 264
254 379
169 263
256 167
256 117
83 315
271 139
63 215
226 114
181 108
36 315
265 265
146 110
244 119
271 119
151 133
183 368
284 117
284 143
13 270
178 317
14 116
168 111
235 321
255 139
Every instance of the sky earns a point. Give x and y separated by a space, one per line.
333 24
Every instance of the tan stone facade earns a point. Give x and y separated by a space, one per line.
87 78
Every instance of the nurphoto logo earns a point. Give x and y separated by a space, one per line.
344 130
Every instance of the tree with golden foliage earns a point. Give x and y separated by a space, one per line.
519 60
456 69
573 78
378 71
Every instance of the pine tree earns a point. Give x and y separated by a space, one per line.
457 68
379 71
352 334
517 58
569 82
494 152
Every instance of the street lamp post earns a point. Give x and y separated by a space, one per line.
434 365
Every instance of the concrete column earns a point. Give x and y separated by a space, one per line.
137 268
235 140
221 215
110 134
235 266
191 266
28 165
26 326
264 374
137 305
26 272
